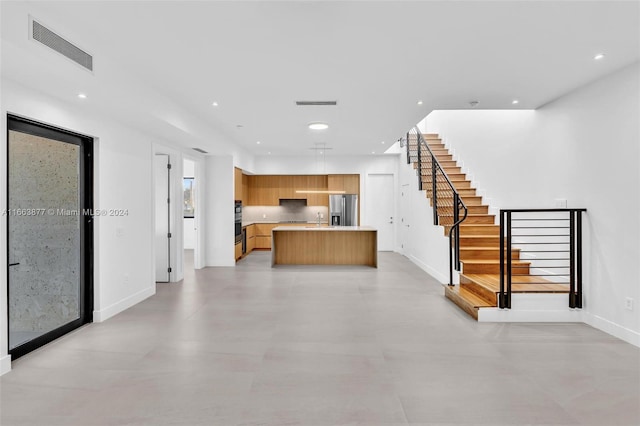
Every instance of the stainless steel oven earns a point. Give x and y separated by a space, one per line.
238 221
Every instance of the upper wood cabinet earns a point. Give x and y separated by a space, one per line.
317 183
237 183
350 184
245 189
267 190
264 190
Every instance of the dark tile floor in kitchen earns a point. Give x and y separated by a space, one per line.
253 345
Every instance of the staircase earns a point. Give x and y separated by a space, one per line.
478 237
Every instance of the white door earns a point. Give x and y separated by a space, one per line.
161 166
405 214
381 208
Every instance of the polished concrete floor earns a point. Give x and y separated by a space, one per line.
253 345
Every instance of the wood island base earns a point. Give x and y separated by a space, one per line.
304 245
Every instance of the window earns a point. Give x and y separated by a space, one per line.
188 201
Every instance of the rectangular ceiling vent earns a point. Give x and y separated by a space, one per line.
200 150
316 103
53 41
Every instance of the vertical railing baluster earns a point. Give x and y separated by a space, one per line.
456 217
501 301
579 259
509 271
572 260
434 189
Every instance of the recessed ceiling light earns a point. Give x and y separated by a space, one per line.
269 152
373 152
258 142
515 102
318 126
82 96
419 102
214 104
320 152
382 142
599 56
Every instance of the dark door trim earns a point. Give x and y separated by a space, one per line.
85 143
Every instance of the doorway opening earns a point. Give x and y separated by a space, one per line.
49 233
189 212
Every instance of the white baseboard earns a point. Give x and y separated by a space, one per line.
510 315
429 270
612 328
5 364
126 303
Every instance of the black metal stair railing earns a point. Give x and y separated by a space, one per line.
448 207
551 240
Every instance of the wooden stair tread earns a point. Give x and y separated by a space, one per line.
519 284
481 248
468 215
494 261
470 297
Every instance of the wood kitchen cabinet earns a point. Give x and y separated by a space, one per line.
263 235
238 251
251 238
237 183
267 190
350 184
264 190
317 183
245 190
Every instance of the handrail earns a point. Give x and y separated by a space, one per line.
421 138
547 238
436 172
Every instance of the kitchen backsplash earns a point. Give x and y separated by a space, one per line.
286 212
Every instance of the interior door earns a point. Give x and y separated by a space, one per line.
162 213
49 226
380 208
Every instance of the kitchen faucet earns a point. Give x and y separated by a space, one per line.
318 218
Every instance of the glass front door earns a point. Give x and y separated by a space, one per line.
49 233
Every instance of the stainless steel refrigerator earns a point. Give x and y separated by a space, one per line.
343 210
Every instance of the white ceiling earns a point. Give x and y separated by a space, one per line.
160 64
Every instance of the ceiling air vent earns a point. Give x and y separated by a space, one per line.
52 40
316 103
200 150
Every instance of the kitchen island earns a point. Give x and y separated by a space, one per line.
313 245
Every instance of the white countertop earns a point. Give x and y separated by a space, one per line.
271 222
324 228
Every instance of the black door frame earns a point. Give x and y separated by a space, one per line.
85 144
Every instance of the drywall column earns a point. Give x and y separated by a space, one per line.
219 215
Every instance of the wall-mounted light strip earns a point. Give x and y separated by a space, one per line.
304 191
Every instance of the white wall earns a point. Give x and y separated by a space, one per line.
123 180
423 243
363 165
584 147
219 215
